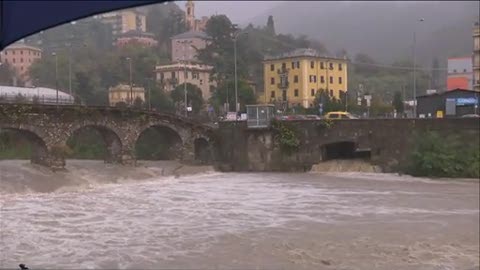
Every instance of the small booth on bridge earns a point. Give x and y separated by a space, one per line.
260 116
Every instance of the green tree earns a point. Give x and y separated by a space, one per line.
398 102
435 78
330 104
443 156
161 101
138 103
270 26
246 96
6 74
194 96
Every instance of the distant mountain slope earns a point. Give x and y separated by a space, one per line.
384 29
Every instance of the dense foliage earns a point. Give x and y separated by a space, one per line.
439 156
286 137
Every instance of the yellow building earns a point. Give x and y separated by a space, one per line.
126 20
122 93
296 77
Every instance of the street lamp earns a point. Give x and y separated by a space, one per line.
414 70
131 86
56 74
235 36
185 43
69 45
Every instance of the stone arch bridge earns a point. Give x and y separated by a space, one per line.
48 128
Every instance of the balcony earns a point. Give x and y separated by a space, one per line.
283 85
172 81
282 71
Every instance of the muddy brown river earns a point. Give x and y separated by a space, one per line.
238 221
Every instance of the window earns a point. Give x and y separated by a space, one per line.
284 66
13 60
333 115
272 67
454 71
322 79
201 82
321 65
298 64
296 92
21 68
272 80
272 94
21 60
340 80
312 64
29 53
330 66
293 65
173 75
314 78
295 79
21 52
331 79
186 75
464 70
284 81
340 67
312 92
13 52
331 92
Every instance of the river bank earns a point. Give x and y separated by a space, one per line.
20 176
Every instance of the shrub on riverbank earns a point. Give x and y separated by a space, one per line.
437 156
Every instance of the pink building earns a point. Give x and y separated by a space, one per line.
136 37
20 57
460 73
187 44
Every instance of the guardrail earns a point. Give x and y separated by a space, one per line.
36 100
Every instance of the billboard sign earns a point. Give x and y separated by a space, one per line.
466 101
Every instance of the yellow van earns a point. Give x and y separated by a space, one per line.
339 115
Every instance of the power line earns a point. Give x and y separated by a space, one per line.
361 63
395 67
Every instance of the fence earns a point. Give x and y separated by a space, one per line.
23 99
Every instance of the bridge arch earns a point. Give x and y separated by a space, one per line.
39 147
109 147
341 149
160 141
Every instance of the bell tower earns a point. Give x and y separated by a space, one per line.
190 15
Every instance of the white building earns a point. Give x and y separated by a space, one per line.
197 74
39 95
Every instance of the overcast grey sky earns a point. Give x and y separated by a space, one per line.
239 12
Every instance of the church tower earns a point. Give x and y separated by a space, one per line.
190 15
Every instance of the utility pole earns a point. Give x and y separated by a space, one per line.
56 74
131 86
235 36
70 70
414 71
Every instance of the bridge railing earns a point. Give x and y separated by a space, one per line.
46 100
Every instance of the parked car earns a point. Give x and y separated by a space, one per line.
312 117
471 116
340 115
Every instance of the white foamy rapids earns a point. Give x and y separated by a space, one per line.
147 223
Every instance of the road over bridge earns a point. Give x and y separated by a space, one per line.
48 128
